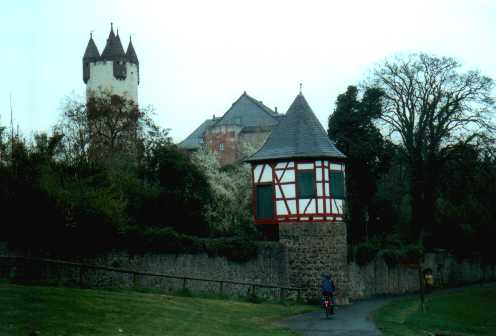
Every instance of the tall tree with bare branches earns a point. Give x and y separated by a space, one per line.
429 104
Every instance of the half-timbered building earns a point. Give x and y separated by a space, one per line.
298 174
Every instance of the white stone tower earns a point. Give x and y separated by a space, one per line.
113 71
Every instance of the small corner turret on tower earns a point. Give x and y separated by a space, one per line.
90 55
113 70
131 56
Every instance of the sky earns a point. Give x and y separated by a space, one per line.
197 57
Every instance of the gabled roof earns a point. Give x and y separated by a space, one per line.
113 49
300 134
195 139
246 111
91 53
131 54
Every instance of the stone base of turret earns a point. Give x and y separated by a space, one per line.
314 249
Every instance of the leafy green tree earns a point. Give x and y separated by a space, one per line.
429 104
467 190
352 128
183 192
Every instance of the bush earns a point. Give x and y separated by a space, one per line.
391 248
167 240
365 252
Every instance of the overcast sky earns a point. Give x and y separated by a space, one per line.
197 57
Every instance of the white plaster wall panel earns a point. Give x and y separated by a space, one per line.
335 166
102 79
318 174
312 208
339 206
256 172
303 203
320 204
318 163
281 208
291 164
289 190
281 165
328 205
289 176
319 189
292 206
326 163
327 192
326 174
305 166
285 191
266 174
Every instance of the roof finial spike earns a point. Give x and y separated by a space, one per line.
301 85
111 26
117 31
91 34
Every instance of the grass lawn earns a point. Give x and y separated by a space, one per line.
32 310
471 311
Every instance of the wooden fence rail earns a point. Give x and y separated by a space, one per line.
15 261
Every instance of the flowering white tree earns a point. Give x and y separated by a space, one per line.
230 210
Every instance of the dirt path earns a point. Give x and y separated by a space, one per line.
349 320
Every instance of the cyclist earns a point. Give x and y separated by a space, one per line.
328 287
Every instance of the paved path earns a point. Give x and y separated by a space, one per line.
350 320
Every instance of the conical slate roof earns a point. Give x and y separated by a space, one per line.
298 135
113 49
91 53
131 54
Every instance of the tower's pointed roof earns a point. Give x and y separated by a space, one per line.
113 49
299 135
91 53
131 54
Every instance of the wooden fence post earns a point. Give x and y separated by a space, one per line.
421 283
80 276
221 287
134 279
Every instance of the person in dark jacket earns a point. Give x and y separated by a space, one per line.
328 286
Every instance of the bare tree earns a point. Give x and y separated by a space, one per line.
74 125
108 128
429 103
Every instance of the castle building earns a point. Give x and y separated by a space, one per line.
242 130
114 71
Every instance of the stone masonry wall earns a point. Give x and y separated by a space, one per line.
377 278
305 251
269 268
315 249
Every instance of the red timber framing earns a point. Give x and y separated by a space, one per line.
325 207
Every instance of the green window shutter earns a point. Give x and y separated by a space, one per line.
337 185
306 184
265 201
